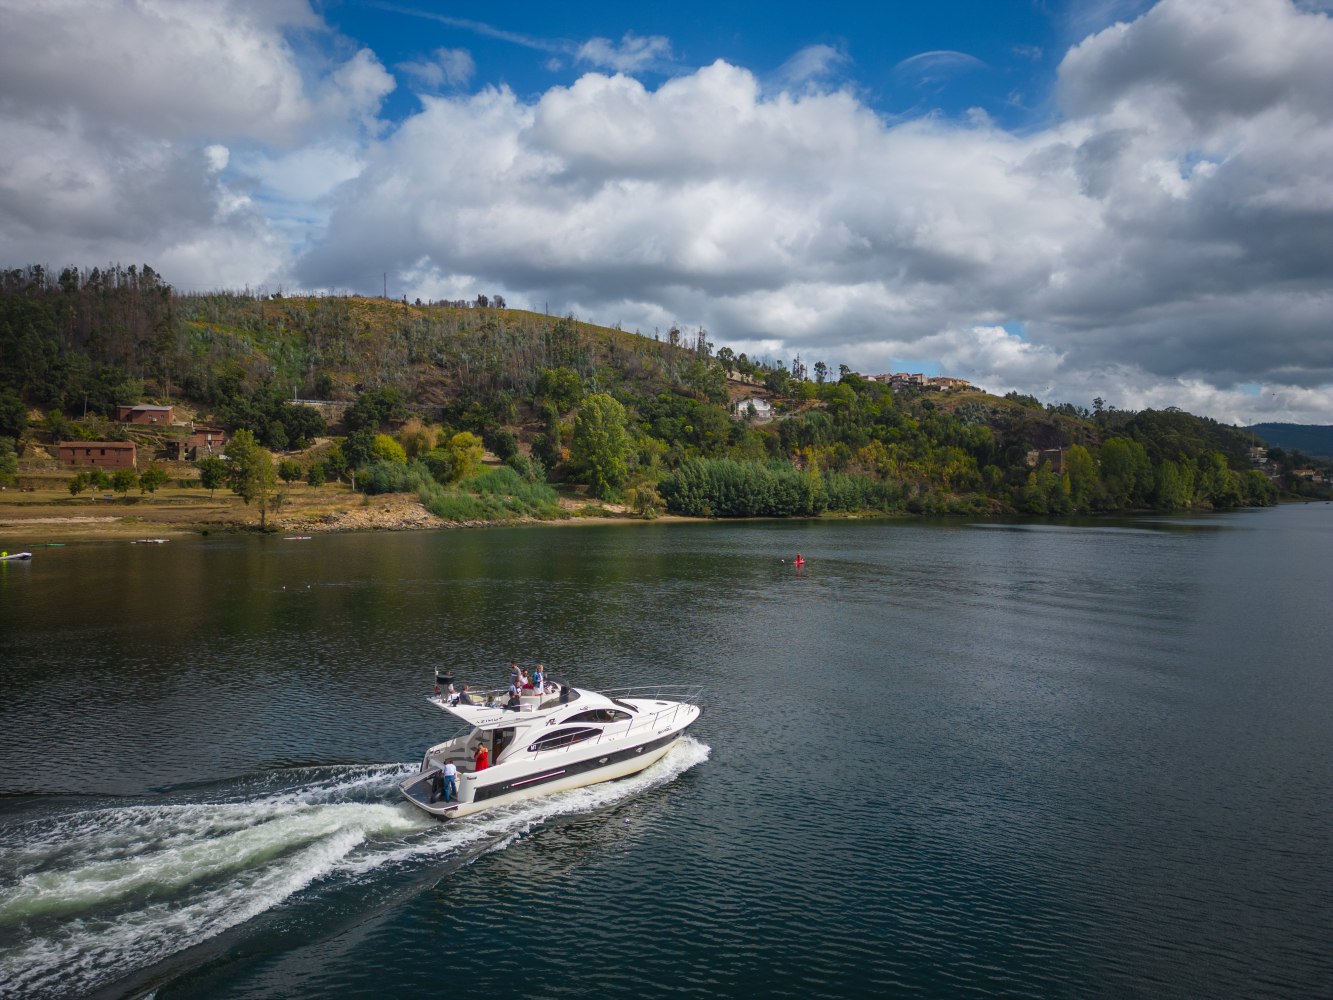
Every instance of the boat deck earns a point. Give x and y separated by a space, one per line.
419 793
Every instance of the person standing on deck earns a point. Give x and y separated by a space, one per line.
450 781
483 758
539 679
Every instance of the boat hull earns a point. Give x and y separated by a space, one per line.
476 796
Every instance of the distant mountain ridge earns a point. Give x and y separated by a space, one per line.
1315 440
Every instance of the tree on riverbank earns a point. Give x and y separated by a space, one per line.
251 474
212 473
599 450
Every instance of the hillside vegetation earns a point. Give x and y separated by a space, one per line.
660 423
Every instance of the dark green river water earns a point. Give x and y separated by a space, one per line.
944 759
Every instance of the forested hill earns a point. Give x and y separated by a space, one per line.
668 421
1315 440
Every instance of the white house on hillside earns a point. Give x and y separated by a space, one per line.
754 408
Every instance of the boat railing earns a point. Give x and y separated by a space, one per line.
689 694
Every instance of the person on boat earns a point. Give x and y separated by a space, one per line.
523 683
514 702
450 781
464 698
514 672
539 679
483 760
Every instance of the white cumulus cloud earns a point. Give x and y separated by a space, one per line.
1166 238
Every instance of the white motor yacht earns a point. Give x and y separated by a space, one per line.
538 744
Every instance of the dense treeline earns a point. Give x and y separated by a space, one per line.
644 419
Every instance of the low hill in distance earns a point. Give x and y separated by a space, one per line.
1314 440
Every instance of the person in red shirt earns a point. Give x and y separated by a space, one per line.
483 758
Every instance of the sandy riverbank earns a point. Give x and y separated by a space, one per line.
39 517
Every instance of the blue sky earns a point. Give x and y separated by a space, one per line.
1125 199
903 58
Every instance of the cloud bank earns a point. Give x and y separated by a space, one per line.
1167 239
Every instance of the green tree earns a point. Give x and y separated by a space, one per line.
13 415
9 461
1082 472
546 446
388 450
1175 485
600 448
375 409
334 461
1045 492
129 392
58 426
151 478
289 470
467 451
358 449
212 473
1126 472
503 442
441 463
778 382
251 473
562 387
276 435
124 480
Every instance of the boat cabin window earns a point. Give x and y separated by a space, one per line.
563 738
600 715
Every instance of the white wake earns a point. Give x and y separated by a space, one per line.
90 896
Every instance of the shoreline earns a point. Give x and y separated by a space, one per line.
31 520
41 521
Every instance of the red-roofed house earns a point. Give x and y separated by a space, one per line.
102 454
142 413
